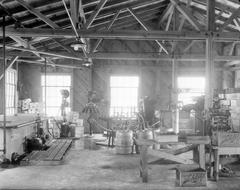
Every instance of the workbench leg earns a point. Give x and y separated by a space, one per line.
143 164
216 164
202 156
211 161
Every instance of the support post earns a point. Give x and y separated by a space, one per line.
209 68
4 87
175 111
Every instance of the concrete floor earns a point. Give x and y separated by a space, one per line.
88 167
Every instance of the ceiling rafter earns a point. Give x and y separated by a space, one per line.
165 14
95 13
186 12
124 34
134 14
168 23
47 21
97 43
234 15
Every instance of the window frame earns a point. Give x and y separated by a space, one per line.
14 96
71 88
187 90
137 87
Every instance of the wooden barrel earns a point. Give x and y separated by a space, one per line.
124 142
145 134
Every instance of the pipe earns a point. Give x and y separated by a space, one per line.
4 87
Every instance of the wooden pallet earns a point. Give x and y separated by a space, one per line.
55 152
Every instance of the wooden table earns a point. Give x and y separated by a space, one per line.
144 145
217 152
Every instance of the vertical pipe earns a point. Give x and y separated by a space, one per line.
4 87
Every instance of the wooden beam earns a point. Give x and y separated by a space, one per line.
123 34
37 13
165 14
133 13
198 140
42 52
50 64
47 21
189 46
180 26
95 13
209 66
10 64
119 56
81 12
97 43
230 19
168 24
74 11
179 29
185 12
169 156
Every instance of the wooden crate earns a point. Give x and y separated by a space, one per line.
191 176
226 139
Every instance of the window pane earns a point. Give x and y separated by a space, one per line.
124 96
11 84
190 88
55 83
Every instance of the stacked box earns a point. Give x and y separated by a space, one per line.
233 100
73 117
35 107
24 105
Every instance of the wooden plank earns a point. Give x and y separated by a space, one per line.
168 156
198 139
53 146
144 163
35 155
202 157
63 150
26 158
182 150
150 142
55 151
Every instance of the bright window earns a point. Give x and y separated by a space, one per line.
54 85
11 86
190 88
124 96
